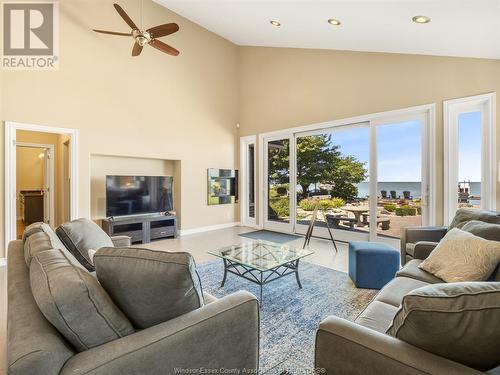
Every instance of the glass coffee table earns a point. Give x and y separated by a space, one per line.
261 262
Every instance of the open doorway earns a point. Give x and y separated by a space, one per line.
40 178
34 184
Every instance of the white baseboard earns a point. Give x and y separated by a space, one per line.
185 232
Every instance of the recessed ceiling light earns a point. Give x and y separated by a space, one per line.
334 22
421 19
275 23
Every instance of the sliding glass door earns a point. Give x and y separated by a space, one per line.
400 179
333 174
368 179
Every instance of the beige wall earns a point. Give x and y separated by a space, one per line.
153 106
29 169
282 88
102 165
186 108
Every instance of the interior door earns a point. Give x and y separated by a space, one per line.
278 183
46 185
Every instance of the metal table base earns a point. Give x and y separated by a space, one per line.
259 277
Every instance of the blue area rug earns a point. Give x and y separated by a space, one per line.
289 315
267 235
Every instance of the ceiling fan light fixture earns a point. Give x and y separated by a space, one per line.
334 22
421 19
144 37
275 23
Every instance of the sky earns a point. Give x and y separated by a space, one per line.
469 146
399 148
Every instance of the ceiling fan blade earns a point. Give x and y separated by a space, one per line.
136 51
125 16
111 32
163 30
163 47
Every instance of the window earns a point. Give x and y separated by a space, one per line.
469 154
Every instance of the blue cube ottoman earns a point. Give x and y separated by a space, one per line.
372 264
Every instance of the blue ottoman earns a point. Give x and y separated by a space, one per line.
372 264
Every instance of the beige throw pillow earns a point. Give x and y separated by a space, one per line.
461 256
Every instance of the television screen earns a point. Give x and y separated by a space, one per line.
132 195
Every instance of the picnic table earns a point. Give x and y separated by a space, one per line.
334 221
384 220
357 211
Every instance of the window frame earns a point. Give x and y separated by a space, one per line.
486 104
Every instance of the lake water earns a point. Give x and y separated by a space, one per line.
413 187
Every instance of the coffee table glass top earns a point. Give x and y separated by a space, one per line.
261 255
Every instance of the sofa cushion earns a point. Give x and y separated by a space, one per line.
397 288
80 235
461 256
42 239
34 347
74 302
377 316
412 271
149 286
463 215
458 321
488 231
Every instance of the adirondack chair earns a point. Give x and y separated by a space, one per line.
393 194
406 195
383 193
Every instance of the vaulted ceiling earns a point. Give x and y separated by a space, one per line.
469 28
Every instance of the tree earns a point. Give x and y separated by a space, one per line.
318 161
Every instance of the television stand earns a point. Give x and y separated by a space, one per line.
142 228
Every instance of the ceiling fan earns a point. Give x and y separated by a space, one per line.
143 37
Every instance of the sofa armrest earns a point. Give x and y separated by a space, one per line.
344 347
433 234
121 241
423 249
416 234
222 334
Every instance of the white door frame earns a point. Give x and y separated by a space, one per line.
245 142
51 172
10 172
426 113
486 104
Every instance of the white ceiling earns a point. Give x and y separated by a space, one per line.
458 28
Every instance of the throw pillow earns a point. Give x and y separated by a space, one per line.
458 321
81 235
463 215
488 231
74 302
461 256
150 287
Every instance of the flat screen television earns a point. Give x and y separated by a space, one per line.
134 195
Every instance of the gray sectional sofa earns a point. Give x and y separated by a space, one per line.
364 347
223 333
